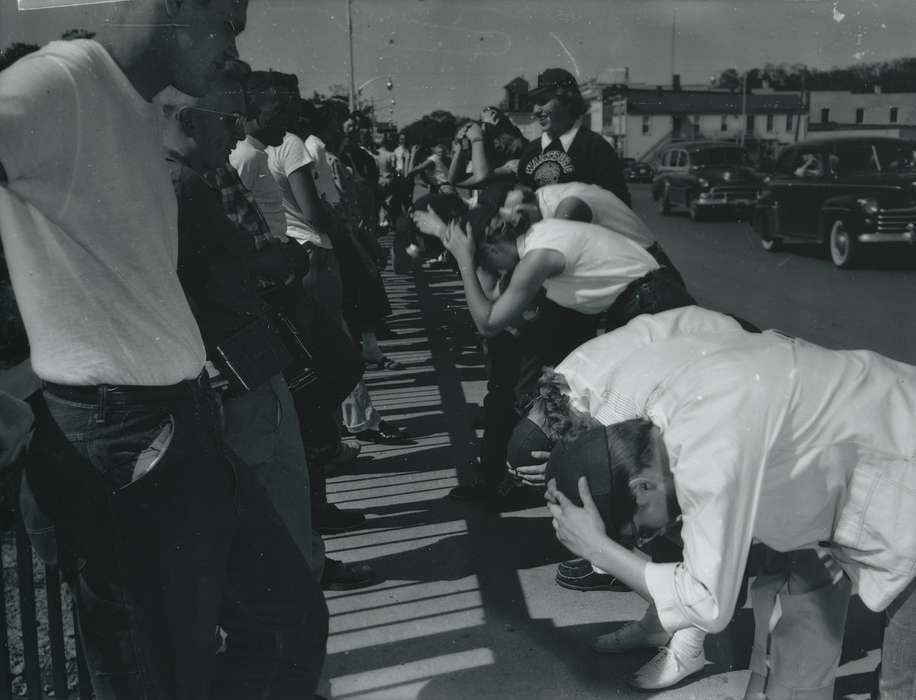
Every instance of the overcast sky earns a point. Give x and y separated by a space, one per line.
457 54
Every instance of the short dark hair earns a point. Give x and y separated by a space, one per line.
632 450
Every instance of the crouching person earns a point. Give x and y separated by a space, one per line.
743 437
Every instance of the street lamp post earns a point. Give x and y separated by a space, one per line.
352 79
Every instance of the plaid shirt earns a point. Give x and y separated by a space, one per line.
240 208
239 205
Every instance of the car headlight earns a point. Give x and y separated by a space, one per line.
869 206
703 182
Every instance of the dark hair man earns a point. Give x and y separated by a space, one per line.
567 152
171 538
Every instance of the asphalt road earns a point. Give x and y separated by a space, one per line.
799 292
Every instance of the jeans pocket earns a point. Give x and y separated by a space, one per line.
130 450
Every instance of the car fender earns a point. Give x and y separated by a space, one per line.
845 207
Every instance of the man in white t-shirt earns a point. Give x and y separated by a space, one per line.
249 157
578 201
127 459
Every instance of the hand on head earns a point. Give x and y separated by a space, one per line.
580 529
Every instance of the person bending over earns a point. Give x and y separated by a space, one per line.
743 437
571 399
578 201
587 272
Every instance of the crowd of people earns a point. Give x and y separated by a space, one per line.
195 255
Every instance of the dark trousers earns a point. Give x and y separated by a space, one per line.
514 365
163 559
503 357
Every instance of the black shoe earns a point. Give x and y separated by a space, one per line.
590 581
574 567
332 519
338 576
386 434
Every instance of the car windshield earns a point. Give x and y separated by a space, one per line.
876 157
719 156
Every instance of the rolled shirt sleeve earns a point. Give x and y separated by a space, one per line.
716 441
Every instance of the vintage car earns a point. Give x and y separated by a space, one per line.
637 171
848 193
703 177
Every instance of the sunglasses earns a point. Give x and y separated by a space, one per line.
233 120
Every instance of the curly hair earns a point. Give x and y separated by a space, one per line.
558 419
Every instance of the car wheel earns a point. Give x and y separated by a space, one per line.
843 245
664 204
696 211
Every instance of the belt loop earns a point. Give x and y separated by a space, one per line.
101 411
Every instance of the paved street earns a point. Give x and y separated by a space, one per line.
468 607
799 292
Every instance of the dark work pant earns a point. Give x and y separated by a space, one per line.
163 559
658 291
503 356
546 341
514 365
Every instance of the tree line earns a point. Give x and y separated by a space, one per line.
898 75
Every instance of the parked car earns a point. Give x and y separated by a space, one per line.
705 176
637 171
847 193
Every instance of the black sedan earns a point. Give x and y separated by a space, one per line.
637 171
705 177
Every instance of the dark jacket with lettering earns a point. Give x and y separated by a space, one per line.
590 159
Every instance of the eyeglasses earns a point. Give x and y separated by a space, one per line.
234 120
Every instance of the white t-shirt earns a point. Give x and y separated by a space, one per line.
90 223
284 160
324 176
607 209
249 158
599 263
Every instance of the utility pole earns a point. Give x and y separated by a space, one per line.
673 40
352 77
743 131
802 101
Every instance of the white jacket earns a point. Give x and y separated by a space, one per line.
771 439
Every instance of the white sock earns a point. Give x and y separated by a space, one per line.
688 642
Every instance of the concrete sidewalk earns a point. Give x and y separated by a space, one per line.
468 607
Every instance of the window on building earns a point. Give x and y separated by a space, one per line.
645 123
769 122
723 125
860 115
893 118
789 123
825 115
750 123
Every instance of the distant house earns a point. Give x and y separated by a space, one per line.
842 113
640 119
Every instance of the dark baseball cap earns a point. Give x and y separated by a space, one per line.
589 456
525 439
553 81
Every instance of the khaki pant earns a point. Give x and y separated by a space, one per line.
799 622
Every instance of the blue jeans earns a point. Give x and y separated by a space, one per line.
163 559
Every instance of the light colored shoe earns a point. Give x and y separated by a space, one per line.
666 669
630 637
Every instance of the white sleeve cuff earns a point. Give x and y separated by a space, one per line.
660 582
